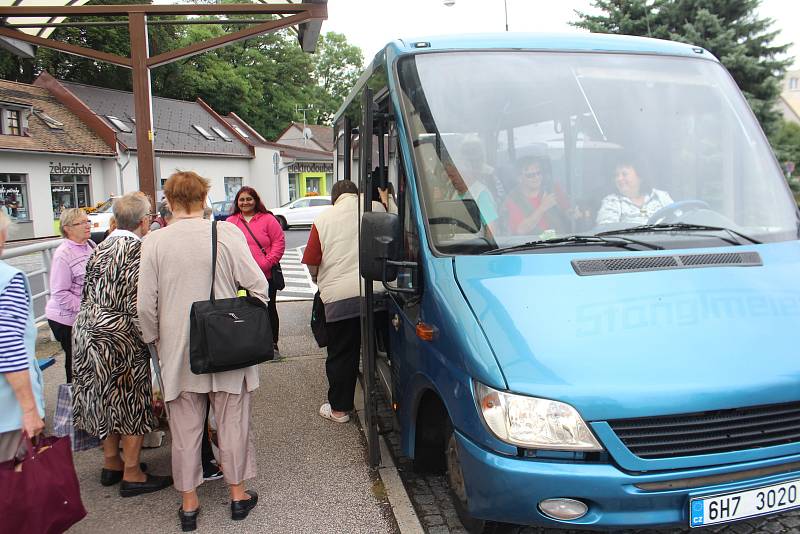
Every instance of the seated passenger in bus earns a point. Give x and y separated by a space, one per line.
635 202
472 164
536 205
476 191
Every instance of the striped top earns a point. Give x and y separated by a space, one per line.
14 309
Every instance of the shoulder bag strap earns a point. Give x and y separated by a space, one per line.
263 251
213 257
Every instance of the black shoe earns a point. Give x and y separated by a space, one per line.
212 472
153 483
240 509
188 519
109 477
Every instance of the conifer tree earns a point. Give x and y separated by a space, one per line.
729 29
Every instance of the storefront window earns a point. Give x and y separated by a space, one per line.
292 186
69 191
14 196
313 185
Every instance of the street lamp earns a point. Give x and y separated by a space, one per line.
451 3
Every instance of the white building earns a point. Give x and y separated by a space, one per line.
49 159
789 101
71 145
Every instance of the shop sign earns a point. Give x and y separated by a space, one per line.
10 190
307 166
70 168
61 189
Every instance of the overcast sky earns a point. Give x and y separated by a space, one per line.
370 24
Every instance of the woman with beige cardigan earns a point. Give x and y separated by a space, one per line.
175 271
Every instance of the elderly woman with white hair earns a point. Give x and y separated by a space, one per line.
21 399
66 279
112 388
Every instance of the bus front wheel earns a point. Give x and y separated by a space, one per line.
458 494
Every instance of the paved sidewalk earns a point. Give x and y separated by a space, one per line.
312 474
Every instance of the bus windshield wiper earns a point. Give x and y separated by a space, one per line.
620 242
682 227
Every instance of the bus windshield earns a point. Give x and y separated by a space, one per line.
512 147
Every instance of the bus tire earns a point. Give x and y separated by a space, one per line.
458 494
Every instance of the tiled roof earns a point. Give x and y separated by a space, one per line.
306 154
74 138
172 120
321 135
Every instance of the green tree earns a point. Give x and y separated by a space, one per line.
786 145
729 29
111 39
337 66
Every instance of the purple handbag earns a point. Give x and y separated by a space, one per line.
40 493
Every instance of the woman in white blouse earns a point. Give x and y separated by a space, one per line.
631 204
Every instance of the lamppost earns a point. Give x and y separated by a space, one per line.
451 3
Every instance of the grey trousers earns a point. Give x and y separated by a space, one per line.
187 415
9 444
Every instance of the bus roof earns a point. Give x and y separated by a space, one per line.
580 42
552 42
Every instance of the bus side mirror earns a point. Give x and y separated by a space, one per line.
380 234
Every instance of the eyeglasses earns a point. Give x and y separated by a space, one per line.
87 222
532 174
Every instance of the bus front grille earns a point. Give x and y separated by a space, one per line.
710 432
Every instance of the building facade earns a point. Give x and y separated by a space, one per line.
789 101
49 160
65 145
312 171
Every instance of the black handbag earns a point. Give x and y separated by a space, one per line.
318 325
276 273
227 334
276 278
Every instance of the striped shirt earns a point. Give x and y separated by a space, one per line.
14 306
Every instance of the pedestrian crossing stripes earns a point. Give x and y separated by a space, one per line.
298 282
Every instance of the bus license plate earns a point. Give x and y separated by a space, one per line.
705 511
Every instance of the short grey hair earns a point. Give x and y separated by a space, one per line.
130 209
68 218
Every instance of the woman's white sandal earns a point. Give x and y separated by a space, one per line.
327 412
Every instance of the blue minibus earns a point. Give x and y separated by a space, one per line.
581 298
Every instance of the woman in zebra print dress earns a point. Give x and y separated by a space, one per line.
112 389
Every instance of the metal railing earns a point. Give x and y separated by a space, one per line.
46 250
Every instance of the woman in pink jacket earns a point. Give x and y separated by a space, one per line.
266 240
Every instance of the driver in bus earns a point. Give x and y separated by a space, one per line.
635 202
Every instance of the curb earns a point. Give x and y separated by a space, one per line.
404 513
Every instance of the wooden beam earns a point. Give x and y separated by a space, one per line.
147 9
66 48
182 22
143 106
211 44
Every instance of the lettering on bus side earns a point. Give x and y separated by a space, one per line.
682 310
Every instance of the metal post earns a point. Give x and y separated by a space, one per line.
143 105
505 6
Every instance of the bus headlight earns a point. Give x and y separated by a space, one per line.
534 423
